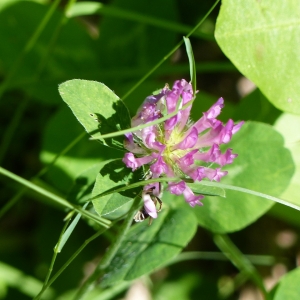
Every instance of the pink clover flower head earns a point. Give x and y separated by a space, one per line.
177 147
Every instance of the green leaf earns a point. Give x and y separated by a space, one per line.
113 175
97 108
288 125
263 165
262 39
190 54
82 189
147 248
288 287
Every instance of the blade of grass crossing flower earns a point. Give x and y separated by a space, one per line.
190 55
248 191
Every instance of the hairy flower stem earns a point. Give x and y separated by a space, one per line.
90 283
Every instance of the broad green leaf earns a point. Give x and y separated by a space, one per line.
288 125
96 107
147 248
83 186
262 39
113 175
263 165
288 287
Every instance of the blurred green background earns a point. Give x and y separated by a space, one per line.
114 42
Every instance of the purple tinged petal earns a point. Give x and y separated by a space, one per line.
131 162
219 174
237 127
159 167
171 123
188 159
214 174
149 139
215 110
149 206
226 158
210 156
172 98
209 118
176 188
198 174
191 198
226 133
131 146
189 140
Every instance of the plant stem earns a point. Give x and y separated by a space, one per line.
55 252
170 53
16 198
57 199
240 261
109 255
75 254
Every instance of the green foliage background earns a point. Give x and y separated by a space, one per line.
45 44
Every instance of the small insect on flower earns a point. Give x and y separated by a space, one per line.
177 147
143 214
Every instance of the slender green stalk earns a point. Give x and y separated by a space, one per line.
203 182
75 254
169 54
55 252
18 115
247 191
109 255
16 198
157 121
240 261
54 197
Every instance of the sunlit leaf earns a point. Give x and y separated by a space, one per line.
97 108
263 165
111 176
262 39
288 286
288 125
